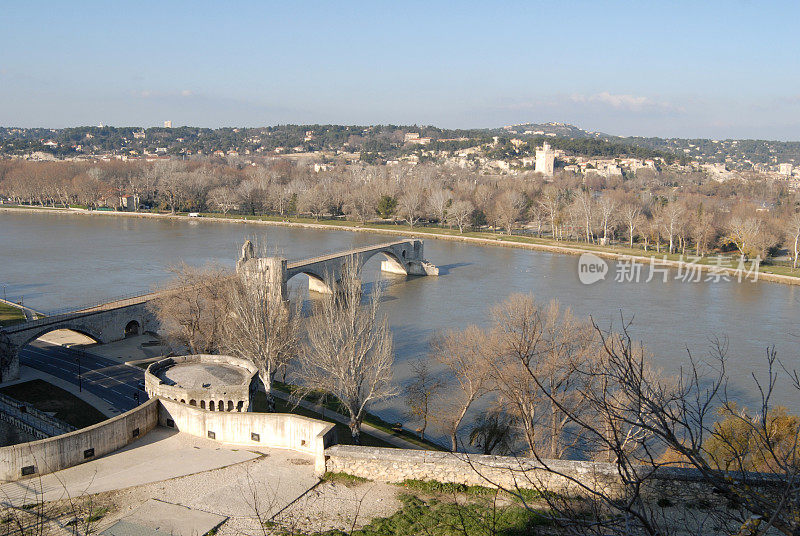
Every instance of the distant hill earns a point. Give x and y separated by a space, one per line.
386 140
561 130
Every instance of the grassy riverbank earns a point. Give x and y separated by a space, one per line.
331 404
778 272
10 315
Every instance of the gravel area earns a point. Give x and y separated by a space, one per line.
279 487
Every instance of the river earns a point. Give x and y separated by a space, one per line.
57 261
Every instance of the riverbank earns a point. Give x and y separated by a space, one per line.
772 273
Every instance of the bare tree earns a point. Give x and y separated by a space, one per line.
461 352
261 327
223 198
793 235
193 308
362 201
420 392
459 213
168 175
749 235
411 201
583 207
315 201
670 219
632 216
439 200
526 342
551 202
645 423
349 352
607 207
508 208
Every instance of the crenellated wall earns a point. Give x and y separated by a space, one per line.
229 397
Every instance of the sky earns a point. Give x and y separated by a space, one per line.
643 68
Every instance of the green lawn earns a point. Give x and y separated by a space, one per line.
51 399
342 431
446 517
10 315
332 404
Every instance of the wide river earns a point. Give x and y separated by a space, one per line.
56 261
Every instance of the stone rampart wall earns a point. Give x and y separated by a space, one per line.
55 453
396 465
280 430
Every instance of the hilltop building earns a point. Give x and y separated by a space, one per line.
786 169
414 138
545 160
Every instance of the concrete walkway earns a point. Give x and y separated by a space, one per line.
162 454
338 417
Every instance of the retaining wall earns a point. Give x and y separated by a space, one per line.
396 465
278 430
60 452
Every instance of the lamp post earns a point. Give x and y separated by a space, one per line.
78 360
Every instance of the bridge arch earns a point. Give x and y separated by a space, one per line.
78 328
316 282
395 263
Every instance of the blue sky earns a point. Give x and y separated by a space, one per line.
688 69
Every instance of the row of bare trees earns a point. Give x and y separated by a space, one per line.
667 211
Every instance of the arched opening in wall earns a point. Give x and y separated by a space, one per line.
221 405
132 328
60 347
202 404
240 406
183 401
193 402
71 337
230 405
211 405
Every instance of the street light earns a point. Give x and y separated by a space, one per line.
136 397
78 360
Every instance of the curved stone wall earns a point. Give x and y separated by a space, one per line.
278 430
229 398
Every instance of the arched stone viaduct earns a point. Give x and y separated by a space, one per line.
105 323
403 257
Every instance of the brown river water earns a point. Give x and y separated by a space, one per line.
59 261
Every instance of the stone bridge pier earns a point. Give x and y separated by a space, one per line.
404 257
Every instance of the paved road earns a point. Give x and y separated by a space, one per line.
113 382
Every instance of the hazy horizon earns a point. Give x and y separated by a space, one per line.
720 70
